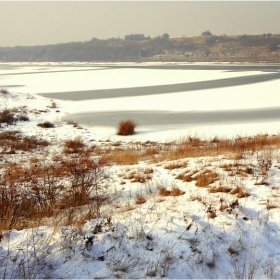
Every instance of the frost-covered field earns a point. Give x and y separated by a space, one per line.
210 212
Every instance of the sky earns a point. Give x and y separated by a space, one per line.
28 23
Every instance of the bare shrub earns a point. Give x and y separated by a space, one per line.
28 194
219 189
23 118
46 124
8 117
74 146
126 127
87 177
4 91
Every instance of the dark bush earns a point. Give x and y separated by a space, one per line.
4 91
8 117
23 118
46 125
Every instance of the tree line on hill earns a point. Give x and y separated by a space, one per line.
138 47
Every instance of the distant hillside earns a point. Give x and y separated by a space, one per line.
137 47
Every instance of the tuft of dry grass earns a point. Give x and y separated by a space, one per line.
205 178
174 191
187 177
240 192
128 207
126 127
53 105
219 189
74 146
175 165
140 199
138 175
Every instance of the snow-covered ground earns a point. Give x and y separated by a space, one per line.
165 237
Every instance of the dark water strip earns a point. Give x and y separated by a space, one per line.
161 89
53 71
167 118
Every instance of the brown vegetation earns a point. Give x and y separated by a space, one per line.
12 141
74 146
28 194
174 191
8 117
240 192
126 127
205 178
140 199
46 124
4 91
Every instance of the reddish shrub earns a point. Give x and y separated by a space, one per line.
126 127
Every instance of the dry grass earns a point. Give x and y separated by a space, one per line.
174 191
186 148
205 178
127 157
126 127
186 176
140 199
74 146
240 192
138 175
270 205
175 165
128 207
12 141
53 105
219 189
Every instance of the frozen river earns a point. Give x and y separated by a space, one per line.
154 95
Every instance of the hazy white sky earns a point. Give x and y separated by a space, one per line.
52 22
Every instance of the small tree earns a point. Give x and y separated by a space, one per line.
165 36
206 33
